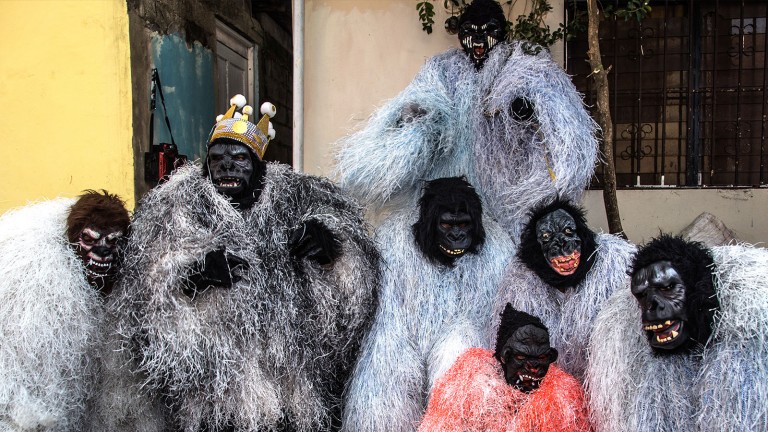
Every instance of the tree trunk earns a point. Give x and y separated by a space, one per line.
603 117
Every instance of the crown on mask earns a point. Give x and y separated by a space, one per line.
235 125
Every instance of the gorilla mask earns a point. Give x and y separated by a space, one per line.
557 244
96 225
522 348
672 282
482 25
234 171
561 246
450 220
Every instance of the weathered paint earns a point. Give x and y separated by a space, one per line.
186 73
66 100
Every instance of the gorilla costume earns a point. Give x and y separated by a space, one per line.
513 389
246 290
513 124
563 272
441 265
57 260
686 348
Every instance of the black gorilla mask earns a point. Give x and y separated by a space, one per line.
561 246
235 172
482 25
672 282
450 220
454 232
230 167
661 293
522 348
557 244
526 358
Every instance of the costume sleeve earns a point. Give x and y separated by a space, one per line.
407 138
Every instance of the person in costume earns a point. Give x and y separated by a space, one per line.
684 347
441 264
508 119
563 272
515 388
58 260
245 292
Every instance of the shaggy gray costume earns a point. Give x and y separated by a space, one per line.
274 350
427 316
723 387
569 315
453 120
49 319
513 159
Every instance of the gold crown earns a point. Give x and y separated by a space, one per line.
235 126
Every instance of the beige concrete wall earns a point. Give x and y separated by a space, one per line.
359 53
646 212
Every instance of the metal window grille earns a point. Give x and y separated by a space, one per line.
687 92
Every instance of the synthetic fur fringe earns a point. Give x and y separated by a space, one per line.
275 348
473 396
427 316
49 319
722 388
384 164
569 316
733 383
513 157
467 129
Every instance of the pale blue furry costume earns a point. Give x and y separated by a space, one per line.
466 129
416 336
721 388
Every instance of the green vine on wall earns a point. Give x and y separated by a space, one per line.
530 27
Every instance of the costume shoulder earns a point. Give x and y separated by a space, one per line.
733 384
412 137
472 396
47 316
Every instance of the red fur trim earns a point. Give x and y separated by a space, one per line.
473 396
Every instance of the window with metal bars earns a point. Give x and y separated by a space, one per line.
687 92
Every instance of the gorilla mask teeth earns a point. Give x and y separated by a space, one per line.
566 265
452 252
228 182
666 332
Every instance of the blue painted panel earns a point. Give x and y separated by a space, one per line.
186 73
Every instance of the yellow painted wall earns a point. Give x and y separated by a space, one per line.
65 100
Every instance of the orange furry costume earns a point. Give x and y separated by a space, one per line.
473 396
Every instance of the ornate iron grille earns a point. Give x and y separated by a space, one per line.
688 92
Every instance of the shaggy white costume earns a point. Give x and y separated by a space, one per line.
49 315
569 316
454 120
428 315
724 387
271 352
